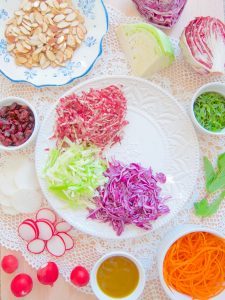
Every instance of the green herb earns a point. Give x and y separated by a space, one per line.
209 109
214 181
204 209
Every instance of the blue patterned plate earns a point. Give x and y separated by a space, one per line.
96 22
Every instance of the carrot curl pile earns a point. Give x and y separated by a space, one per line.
195 265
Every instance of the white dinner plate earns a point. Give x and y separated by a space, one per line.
96 22
159 134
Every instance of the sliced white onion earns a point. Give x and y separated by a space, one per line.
26 201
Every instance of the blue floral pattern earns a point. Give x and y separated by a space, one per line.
68 70
30 74
3 14
3 50
90 41
87 7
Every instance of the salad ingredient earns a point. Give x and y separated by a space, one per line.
21 285
36 246
46 214
74 173
46 229
96 117
161 13
25 176
195 265
26 200
56 246
204 209
69 243
63 227
48 273
46 34
118 277
16 124
80 276
130 196
147 48
28 230
9 264
203 45
209 109
7 184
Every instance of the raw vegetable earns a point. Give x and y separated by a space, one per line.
9 264
56 246
203 45
36 246
28 230
46 229
131 196
69 243
63 227
25 176
74 173
80 276
48 273
209 109
46 214
160 12
21 285
96 117
204 209
147 48
195 265
26 200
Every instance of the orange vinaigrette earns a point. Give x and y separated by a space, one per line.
118 277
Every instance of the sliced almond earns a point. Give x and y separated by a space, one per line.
42 59
42 38
51 41
74 23
66 31
56 4
10 47
68 11
19 20
34 25
25 45
70 17
31 18
27 6
62 47
80 33
26 26
71 41
60 39
43 6
63 5
38 18
63 24
69 52
59 18
44 27
47 64
36 4
38 51
53 28
16 30
50 3
20 60
60 56
83 28
19 12
50 55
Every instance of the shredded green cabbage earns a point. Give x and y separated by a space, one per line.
74 173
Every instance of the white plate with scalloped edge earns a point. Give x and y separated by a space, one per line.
84 58
159 134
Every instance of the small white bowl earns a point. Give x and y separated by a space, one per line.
10 100
171 237
136 293
210 87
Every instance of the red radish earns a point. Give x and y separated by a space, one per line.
46 214
63 227
56 246
68 240
36 246
21 285
28 231
9 264
79 276
48 273
46 230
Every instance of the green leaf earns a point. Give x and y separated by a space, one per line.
218 183
209 172
204 209
221 162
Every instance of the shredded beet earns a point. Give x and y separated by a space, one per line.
95 117
131 196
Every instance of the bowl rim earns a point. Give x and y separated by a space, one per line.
76 77
142 277
201 90
19 100
171 237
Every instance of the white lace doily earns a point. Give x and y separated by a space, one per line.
179 80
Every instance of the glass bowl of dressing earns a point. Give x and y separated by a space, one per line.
118 275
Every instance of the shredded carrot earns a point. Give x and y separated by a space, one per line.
195 265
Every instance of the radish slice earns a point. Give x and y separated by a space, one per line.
68 240
25 176
56 246
27 231
36 246
63 227
45 230
26 201
46 214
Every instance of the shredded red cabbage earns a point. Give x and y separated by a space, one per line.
131 196
164 13
95 117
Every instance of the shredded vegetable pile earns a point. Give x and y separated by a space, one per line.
131 196
195 265
95 117
74 173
